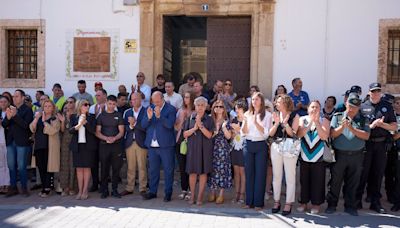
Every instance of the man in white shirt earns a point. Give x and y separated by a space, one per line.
142 88
175 99
101 98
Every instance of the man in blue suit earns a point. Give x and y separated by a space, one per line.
136 151
160 140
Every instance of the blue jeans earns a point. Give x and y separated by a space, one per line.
255 166
17 158
166 157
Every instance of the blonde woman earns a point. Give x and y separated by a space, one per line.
285 125
83 145
46 128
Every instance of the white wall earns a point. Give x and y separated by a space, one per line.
329 66
62 16
330 44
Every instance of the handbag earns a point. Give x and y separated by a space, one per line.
183 147
329 152
290 147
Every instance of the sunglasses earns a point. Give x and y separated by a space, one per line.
219 106
86 104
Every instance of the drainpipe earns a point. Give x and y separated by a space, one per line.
326 59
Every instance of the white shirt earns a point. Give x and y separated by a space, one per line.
175 100
254 134
81 132
146 90
135 114
154 143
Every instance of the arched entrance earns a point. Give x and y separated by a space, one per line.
261 12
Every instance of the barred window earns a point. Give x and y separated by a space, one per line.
393 67
22 53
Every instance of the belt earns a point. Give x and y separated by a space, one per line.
379 139
355 152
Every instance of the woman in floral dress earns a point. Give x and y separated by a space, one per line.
221 177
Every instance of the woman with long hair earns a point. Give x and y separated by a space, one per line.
257 122
67 171
228 95
183 113
221 176
83 146
285 125
46 128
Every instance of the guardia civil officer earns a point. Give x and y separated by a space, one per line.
382 121
349 130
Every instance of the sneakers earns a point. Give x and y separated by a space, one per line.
182 195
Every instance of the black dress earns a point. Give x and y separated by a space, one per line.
200 149
84 153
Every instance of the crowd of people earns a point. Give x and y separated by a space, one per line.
220 140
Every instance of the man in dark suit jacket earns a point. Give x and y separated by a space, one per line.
160 139
17 121
136 151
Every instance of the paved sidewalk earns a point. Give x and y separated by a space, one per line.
132 211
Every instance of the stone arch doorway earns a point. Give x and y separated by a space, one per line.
152 14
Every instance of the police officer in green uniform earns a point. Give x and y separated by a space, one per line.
349 130
396 138
382 121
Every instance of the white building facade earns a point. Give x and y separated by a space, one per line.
330 44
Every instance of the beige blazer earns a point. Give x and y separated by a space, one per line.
53 130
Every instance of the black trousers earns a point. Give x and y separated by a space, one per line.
110 156
396 187
373 170
42 158
182 169
390 173
348 169
312 181
95 169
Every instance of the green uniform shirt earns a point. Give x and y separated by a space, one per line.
347 141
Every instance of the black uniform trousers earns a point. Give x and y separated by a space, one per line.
347 169
110 156
373 170
390 173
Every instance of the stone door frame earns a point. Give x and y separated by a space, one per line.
262 28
